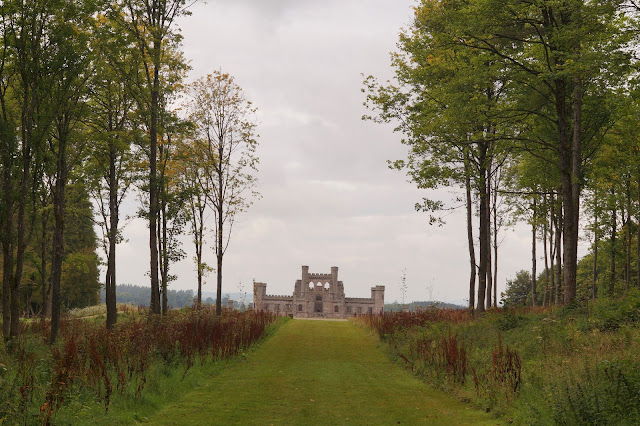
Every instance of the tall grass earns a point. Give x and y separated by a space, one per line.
573 365
37 381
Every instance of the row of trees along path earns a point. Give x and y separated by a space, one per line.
318 372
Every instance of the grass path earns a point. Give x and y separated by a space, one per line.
318 372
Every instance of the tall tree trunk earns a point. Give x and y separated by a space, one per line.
534 298
219 254
545 227
552 251
558 248
472 254
594 289
44 219
571 196
484 234
21 232
111 282
154 304
489 265
164 253
495 241
612 252
7 225
59 204
638 235
627 235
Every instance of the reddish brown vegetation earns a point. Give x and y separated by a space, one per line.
391 322
90 356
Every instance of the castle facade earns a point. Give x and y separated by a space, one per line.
318 296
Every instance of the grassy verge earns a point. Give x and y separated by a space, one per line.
317 372
121 377
574 365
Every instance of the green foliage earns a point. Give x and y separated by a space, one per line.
518 290
607 393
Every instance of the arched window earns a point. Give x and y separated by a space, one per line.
300 308
336 308
348 309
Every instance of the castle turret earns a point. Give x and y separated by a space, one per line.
334 276
377 294
259 291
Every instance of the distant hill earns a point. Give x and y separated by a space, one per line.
140 295
413 306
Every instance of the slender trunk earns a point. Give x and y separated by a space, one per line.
489 263
552 250
7 240
110 284
22 237
572 210
638 236
495 243
154 304
164 254
534 297
219 254
220 226
594 287
199 240
472 254
612 252
627 235
558 243
59 204
484 237
545 227
44 219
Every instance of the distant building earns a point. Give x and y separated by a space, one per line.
318 296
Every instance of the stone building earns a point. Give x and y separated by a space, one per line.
318 296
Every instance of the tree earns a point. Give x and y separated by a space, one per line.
110 167
518 290
192 176
449 102
150 24
225 128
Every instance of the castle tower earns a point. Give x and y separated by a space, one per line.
377 294
259 291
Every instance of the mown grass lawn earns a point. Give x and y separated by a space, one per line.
318 372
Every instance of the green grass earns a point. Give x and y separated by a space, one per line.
317 372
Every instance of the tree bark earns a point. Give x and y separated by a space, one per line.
627 235
534 298
612 251
59 205
154 304
489 263
484 237
558 244
111 282
594 289
472 254
7 240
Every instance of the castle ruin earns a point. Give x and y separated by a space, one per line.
318 296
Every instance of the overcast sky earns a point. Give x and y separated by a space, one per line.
328 197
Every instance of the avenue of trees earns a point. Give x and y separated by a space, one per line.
531 107
94 108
